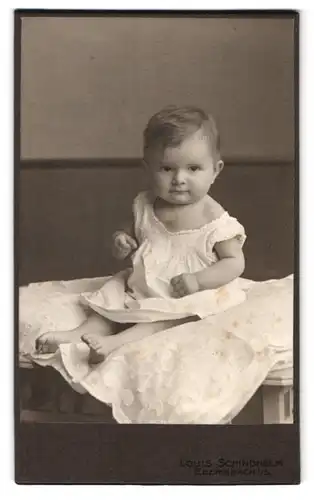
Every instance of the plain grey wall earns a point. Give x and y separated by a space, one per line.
90 84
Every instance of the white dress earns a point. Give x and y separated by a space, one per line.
202 372
143 293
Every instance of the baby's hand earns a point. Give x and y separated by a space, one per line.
184 284
123 245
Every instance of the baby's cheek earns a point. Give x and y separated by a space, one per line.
161 182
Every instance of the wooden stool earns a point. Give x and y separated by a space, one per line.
277 396
45 396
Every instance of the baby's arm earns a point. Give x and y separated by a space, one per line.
231 259
229 267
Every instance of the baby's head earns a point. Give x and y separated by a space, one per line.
182 154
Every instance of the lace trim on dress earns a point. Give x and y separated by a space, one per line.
202 228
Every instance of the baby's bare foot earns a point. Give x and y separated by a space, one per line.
49 342
99 345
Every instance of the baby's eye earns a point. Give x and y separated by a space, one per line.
165 168
194 168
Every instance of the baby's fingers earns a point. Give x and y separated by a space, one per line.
175 281
179 292
123 246
178 286
132 244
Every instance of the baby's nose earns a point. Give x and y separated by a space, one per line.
179 178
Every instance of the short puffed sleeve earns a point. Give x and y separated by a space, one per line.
225 228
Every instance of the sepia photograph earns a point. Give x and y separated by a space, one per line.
156 226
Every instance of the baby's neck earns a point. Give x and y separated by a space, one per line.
182 216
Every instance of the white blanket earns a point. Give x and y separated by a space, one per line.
202 372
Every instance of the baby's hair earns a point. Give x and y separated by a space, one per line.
170 126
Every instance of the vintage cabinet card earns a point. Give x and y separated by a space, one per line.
156 247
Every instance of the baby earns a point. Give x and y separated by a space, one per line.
182 243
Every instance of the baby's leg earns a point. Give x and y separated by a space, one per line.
49 342
103 346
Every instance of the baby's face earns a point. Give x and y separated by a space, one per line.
182 175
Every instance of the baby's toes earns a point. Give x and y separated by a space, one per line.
90 340
85 338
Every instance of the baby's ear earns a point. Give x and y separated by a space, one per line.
218 167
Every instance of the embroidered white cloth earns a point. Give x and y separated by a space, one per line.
203 372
